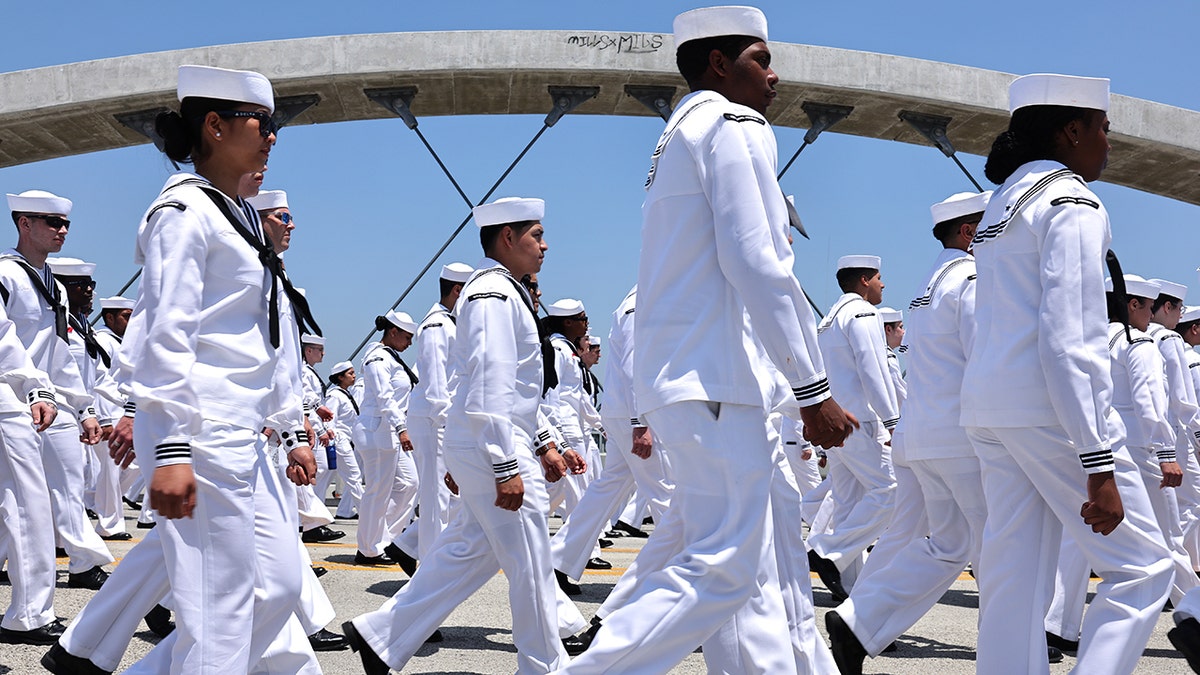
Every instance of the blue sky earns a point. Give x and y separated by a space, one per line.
372 206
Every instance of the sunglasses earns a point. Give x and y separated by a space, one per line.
80 283
582 318
266 123
54 222
283 216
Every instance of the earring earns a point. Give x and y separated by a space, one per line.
219 135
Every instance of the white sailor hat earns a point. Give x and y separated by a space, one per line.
1190 314
593 340
709 22
317 340
39 201
1135 286
871 262
70 267
509 210
402 321
1171 288
890 315
268 200
116 302
243 86
340 367
959 205
1065 90
457 272
565 307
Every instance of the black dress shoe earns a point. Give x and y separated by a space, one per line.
1186 638
848 652
327 641
371 663
404 560
569 587
60 552
436 636
647 520
119 536
630 530
131 504
159 621
4 576
353 517
574 645
147 526
43 635
893 647
590 634
1054 655
61 662
92 579
376 560
830 575
91 514
617 534
319 571
320 534
598 564
606 543
1061 643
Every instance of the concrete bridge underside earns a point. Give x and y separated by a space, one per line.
72 109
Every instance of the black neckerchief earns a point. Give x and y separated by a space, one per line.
407 371
44 289
321 382
272 263
94 350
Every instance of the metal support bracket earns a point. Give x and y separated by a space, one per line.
142 122
932 127
398 100
822 116
567 99
657 99
287 108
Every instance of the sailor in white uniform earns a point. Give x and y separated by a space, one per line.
862 481
1186 633
1189 330
566 322
344 406
1036 397
430 403
114 315
939 334
27 408
390 496
714 277
491 448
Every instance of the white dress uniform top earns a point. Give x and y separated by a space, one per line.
714 276
25 515
345 417
863 483
389 499
490 434
109 406
205 376
1036 402
430 403
566 408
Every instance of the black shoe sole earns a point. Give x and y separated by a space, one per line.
371 663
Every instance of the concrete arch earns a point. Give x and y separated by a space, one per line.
65 110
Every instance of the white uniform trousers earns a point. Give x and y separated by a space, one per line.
1188 496
574 542
390 495
864 493
432 494
63 458
817 507
351 475
1064 617
889 600
566 493
311 509
807 472
721 459
28 526
229 605
1034 487
1166 513
324 475
1188 608
110 511
907 522
480 538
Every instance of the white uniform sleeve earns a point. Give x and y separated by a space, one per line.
1182 407
489 375
397 409
1145 378
1072 330
17 369
966 315
754 255
175 252
377 373
434 348
870 359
